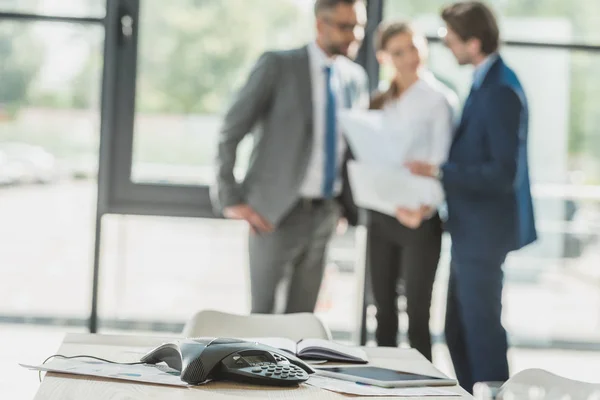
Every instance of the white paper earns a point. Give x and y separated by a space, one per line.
158 374
384 189
340 386
371 137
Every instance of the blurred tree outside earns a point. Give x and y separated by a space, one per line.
192 57
194 53
20 60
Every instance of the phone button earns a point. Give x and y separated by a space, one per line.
256 370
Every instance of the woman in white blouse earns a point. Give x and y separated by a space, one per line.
408 247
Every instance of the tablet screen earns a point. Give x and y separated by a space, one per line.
380 374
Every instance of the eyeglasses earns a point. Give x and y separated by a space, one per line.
357 29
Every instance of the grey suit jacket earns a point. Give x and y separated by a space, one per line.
275 105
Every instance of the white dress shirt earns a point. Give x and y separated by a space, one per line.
312 186
423 120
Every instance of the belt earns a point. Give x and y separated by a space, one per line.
310 203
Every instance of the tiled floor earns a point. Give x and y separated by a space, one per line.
23 344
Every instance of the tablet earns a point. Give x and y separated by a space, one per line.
383 377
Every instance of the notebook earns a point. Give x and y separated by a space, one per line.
316 349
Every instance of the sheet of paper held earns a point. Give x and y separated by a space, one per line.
371 137
384 189
346 387
157 374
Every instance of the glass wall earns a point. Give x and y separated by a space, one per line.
192 58
551 291
49 134
158 271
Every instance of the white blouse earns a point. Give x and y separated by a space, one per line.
422 121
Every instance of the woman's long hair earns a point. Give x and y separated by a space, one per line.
385 32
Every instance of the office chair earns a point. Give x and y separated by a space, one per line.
211 323
532 382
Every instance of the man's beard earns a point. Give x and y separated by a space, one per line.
336 50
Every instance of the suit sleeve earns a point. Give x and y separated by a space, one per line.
249 105
502 124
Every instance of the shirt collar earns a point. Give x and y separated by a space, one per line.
319 57
482 69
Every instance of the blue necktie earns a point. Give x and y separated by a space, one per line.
330 138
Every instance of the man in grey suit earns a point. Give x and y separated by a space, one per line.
294 191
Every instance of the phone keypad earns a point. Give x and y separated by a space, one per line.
286 371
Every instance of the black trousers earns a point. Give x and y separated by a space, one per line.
398 252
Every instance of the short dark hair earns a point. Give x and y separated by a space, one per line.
322 5
474 20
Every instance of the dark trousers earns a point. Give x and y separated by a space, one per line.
474 332
394 252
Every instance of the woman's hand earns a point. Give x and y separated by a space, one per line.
409 217
421 168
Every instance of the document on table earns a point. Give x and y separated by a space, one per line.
384 189
158 374
346 387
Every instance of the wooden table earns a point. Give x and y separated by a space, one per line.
130 348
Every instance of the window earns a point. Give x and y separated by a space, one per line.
191 58
158 271
74 8
49 133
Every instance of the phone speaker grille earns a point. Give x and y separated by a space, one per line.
194 373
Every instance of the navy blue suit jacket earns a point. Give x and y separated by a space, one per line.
486 178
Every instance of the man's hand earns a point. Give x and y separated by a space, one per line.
257 223
342 226
409 218
422 168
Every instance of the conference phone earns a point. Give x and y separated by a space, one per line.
200 360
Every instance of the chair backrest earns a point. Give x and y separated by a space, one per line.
538 383
210 323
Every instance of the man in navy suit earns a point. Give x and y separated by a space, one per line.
486 180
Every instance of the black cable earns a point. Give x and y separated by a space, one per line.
84 356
